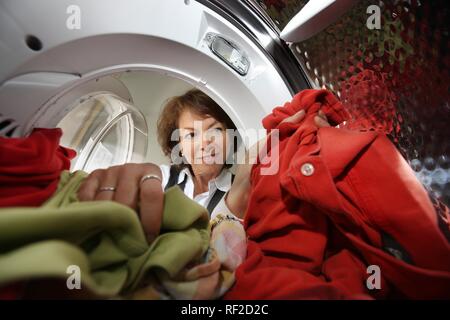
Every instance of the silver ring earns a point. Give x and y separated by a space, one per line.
107 189
150 176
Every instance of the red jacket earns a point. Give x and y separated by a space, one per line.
30 167
341 201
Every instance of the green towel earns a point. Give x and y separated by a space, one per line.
103 238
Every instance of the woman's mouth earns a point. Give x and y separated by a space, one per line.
208 158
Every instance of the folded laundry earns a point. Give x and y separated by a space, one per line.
341 202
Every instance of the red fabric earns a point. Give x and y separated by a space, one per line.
29 174
312 237
30 167
12 291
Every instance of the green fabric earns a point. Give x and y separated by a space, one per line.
103 238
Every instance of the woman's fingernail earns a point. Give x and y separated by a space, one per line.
150 238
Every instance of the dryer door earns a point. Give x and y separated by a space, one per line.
45 62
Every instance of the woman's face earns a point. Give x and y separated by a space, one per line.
203 142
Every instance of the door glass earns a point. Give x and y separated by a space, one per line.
388 62
116 145
105 130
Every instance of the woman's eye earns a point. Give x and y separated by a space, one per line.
190 135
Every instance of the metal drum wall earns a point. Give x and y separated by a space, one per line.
392 78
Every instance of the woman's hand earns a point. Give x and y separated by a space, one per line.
237 198
146 198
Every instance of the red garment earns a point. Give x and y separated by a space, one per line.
313 236
30 167
12 291
29 174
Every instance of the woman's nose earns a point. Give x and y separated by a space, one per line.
206 140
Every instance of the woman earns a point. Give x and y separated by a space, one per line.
192 129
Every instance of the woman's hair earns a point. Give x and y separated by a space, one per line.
195 101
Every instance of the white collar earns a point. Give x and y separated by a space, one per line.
222 181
